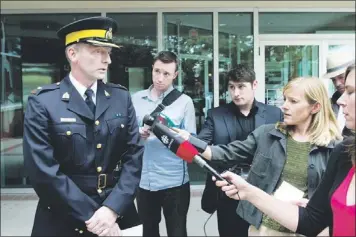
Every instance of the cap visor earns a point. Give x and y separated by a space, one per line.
104 44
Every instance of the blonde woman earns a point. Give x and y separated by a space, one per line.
295 151
333 203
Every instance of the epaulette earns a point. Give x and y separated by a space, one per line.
116 86
45 88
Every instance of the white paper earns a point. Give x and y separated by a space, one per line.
288 192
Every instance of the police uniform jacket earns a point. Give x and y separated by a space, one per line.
70 155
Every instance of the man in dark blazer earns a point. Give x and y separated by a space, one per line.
225 124
81 142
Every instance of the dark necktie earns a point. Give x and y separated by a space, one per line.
89 100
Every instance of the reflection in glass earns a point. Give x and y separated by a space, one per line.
235 46
283 63
31 56
132 64
190 36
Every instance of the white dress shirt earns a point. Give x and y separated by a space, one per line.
341 118
81 88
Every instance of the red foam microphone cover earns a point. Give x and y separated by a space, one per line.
187 151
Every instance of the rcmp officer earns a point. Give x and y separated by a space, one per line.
81 142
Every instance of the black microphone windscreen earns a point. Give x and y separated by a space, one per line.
148 120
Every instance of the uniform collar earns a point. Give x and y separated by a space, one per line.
81 88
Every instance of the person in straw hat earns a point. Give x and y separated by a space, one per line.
338 60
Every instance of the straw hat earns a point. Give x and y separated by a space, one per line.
338 60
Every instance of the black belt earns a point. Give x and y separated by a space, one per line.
91 183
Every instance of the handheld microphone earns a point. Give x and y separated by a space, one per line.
163 119
182 148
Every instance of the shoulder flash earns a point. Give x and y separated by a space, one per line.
116 86
45 88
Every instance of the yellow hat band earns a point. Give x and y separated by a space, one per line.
82 34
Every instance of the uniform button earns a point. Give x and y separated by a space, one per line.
76 229
98 146
49 208
97 122
68 133
81 232
122 126
99 169
100 191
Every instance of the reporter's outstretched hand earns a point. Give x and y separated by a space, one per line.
239 188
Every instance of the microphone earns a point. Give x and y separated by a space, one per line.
179 146
164 119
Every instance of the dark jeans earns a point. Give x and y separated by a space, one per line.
229 223
175 203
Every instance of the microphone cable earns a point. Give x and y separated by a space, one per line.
242 210
207 222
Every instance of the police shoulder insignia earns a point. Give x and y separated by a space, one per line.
122 87
45 88
116 86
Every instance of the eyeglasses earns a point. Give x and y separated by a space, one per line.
158 72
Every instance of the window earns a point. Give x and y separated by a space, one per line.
235 46
32 56
190 36
306 22
132 64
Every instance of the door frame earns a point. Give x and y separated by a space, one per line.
321 40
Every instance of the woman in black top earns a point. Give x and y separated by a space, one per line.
333 203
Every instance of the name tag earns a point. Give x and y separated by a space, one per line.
68 120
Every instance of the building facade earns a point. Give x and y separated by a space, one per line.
279 39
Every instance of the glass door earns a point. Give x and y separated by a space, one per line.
284 57
281 62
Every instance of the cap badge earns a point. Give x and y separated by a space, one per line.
108 34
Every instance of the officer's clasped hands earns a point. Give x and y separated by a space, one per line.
103 222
